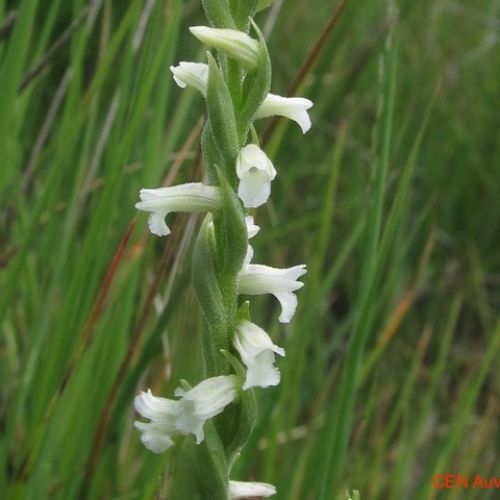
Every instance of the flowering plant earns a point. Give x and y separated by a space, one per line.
238 355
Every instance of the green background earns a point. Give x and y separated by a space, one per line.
391 200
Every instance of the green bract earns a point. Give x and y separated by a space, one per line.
221 117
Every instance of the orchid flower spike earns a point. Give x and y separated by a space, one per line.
233 43
204 401
293 108
241 489
191 197
256 279
191 74
255 171
257 352
156 435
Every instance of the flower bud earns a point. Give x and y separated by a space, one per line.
233 43
241 489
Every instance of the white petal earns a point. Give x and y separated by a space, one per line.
293 108
157 224
233 43
240 489
252 228
254 188
153 440
288 301
156 435
191 74
189 422
250 157
190 197
155 408
262 373
257 352
204 401
255 171
256 279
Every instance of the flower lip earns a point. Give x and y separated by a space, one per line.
257 352
256 172
162 413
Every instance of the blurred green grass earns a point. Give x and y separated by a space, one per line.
390 199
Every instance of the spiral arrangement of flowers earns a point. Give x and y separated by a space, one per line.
238 354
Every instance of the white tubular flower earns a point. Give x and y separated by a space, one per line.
256 279
233 43
255 171
191 197
204 401
191 74
156 435
252 229
241 489
257 352
293 108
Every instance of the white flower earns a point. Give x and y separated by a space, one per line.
185 416
252 229
255 171
191 74
240 489
257 352
156 435
191 197
204 401
256 279
233 43
294 108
